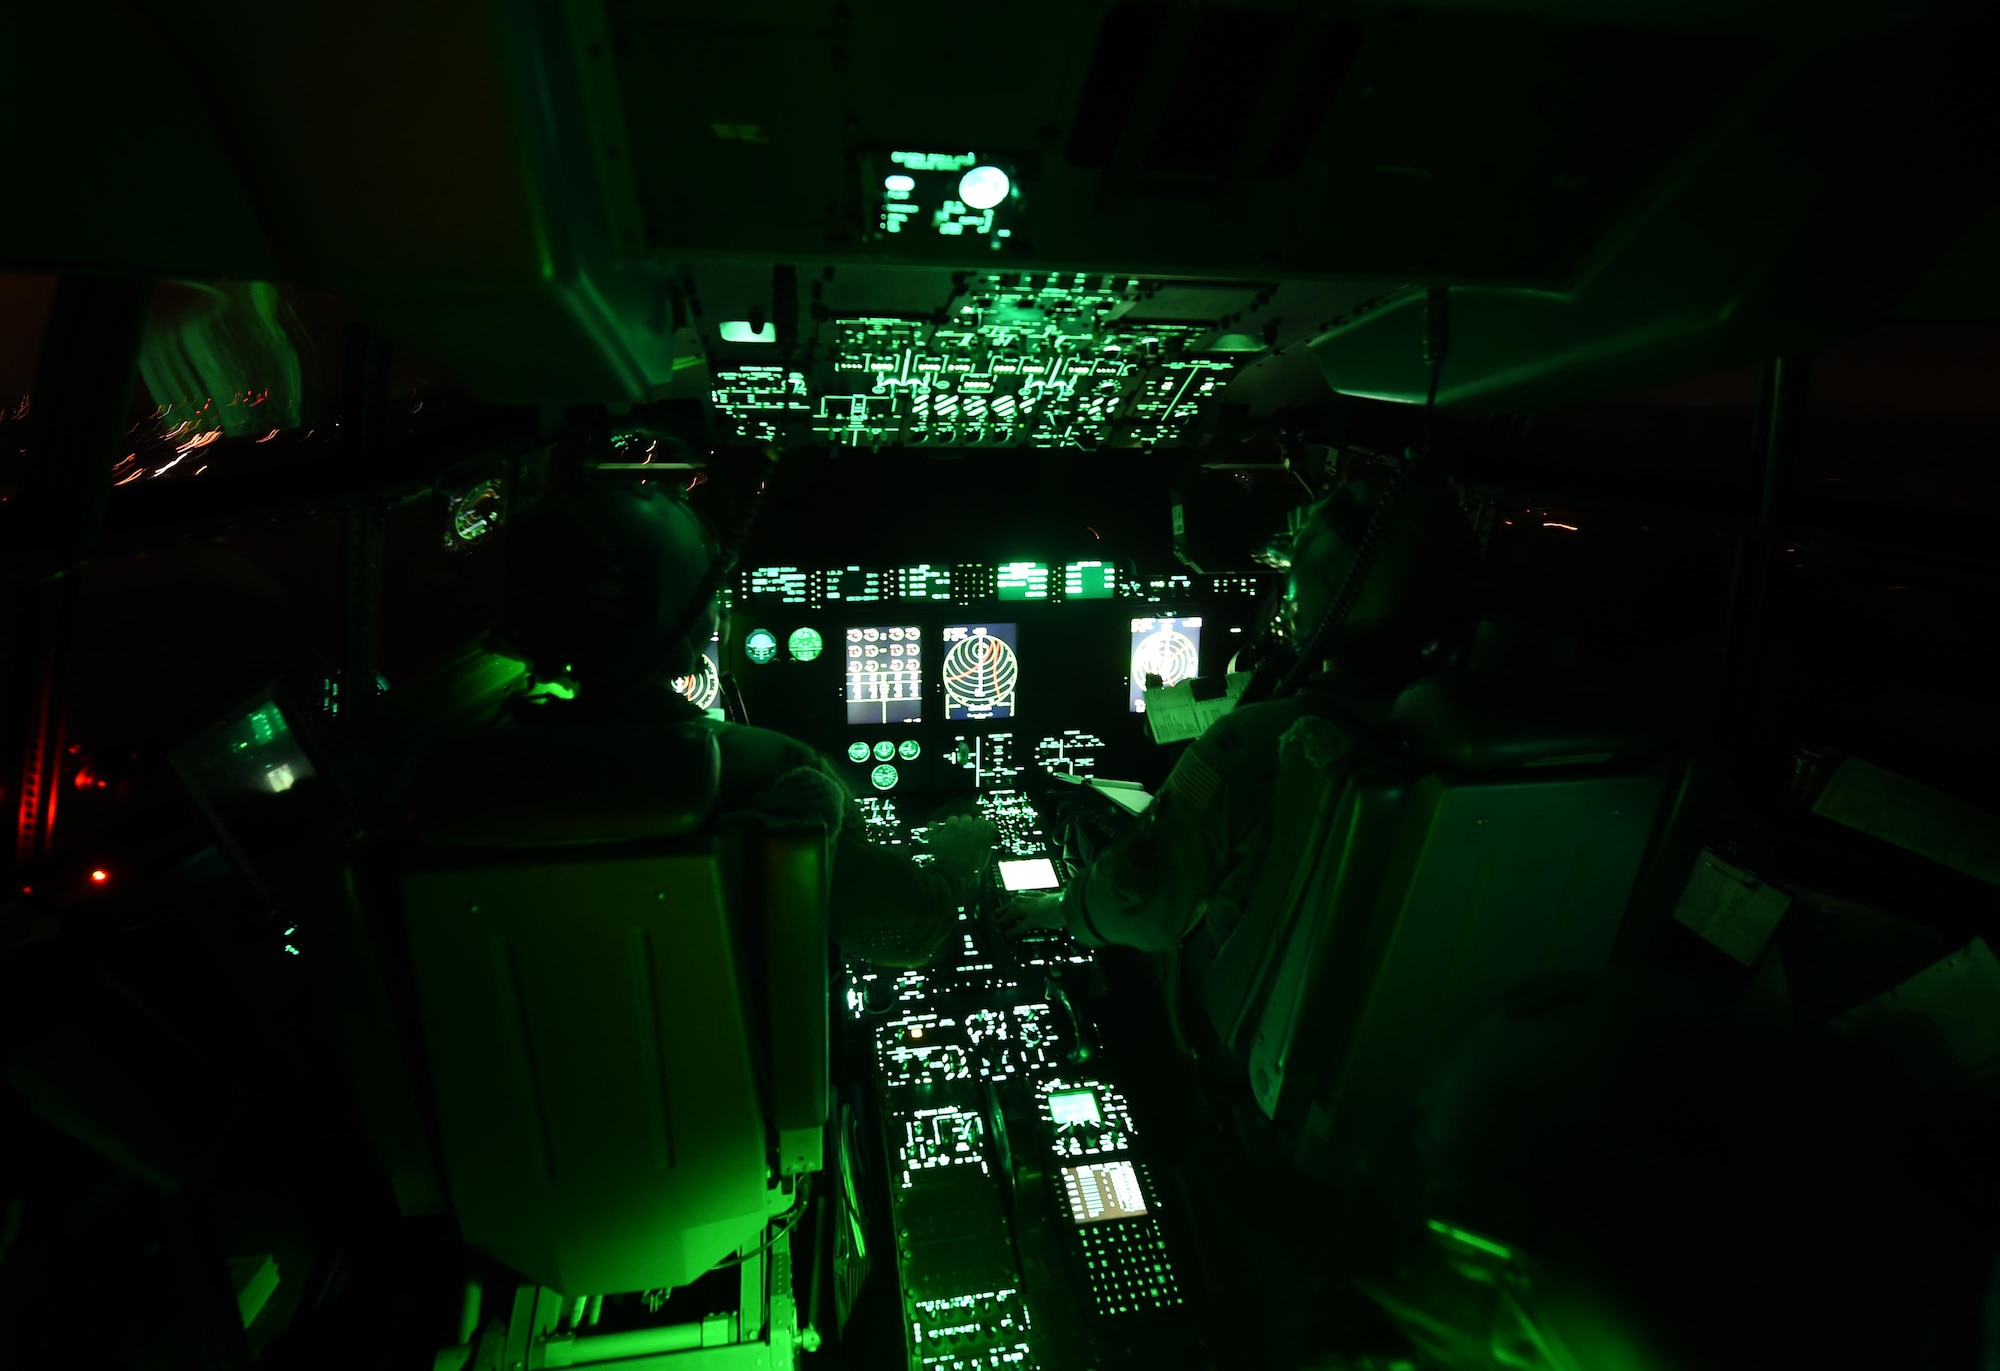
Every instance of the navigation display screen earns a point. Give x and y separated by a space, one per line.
1167 648
885 676
981 671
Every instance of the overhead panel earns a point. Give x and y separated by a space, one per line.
926 357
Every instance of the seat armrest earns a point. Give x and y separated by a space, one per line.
793 866
1473 721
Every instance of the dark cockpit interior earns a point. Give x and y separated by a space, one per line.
1038 897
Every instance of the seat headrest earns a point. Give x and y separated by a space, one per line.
1476 721
564 779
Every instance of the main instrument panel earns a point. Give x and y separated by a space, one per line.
932 684
1032 1228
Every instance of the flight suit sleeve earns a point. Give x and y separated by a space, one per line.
1147 889
883 907
886 909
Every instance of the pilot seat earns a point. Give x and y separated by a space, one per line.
1497 829
594 1024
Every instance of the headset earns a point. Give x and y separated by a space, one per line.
730 549
1311 650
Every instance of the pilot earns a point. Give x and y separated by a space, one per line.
600 576
1186 870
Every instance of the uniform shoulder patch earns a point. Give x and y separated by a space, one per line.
1194 782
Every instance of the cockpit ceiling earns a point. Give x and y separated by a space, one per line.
1367 140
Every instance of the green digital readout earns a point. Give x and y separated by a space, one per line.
952 194
1090 581
925 582
1024 581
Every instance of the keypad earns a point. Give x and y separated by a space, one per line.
1127 1266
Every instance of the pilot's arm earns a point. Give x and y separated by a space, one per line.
884 907
1147 890
889 910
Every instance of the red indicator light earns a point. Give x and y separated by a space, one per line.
100 876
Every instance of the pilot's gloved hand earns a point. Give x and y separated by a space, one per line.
963 844
1032 910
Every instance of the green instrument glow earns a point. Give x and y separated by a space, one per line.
984 187
1089 581
1021 359
1472 1240
1024 581
755 400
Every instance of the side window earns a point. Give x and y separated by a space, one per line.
24 317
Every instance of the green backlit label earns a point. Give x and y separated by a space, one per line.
924 582
932 161
791 585
755 400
